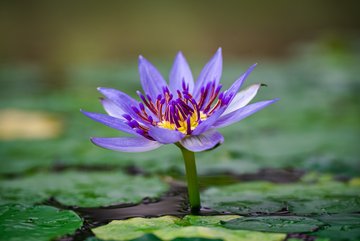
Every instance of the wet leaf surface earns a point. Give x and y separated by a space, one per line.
276 224
169 228
35 223
81 189
340 227
299 198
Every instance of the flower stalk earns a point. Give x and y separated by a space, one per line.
192 180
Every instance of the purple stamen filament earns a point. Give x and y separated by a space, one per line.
183 114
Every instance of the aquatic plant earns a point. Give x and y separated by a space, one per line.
183 112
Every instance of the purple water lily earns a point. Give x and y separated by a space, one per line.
183 112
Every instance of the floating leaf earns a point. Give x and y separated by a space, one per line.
276 224
333 204
340 227
269 198
36 223
169 228
81 189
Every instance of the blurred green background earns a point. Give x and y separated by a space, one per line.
53 55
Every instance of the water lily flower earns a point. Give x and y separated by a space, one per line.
183 112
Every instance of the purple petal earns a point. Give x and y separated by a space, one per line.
209 122
242 113
242 98
122 100
110 121
211 72
151 80
180 72
126 144
112 109
234 88
202 142
165 136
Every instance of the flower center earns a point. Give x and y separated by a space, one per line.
183 113
183 125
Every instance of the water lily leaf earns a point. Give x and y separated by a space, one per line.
298 198
36 223
276 224
169 228
337 204
340 227
81 189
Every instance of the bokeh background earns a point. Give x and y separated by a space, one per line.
53 55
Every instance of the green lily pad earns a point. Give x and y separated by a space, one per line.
276 224
340 227
36 223
269 198
81 189
334 204
169 228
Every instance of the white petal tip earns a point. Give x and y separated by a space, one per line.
179 54
142 59
218 54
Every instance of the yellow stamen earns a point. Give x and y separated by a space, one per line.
194 122
166 125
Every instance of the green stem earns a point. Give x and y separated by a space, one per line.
192 181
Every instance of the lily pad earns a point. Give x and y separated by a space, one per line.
81 189
36 223
276 224
169 228
269 198
340 227
332 204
